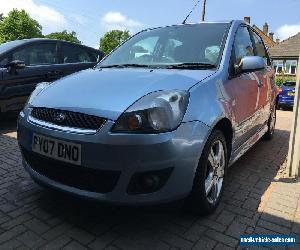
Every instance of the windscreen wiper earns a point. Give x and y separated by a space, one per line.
192 66
127 65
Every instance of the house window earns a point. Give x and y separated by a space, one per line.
291 67
288 67
278 66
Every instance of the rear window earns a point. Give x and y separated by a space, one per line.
290 84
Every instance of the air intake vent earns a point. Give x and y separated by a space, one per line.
68 118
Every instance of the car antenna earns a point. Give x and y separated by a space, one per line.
184 21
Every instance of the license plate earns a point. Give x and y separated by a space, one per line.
291 93
57 149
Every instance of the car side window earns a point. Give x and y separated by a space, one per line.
37 54
96 56
243 45
76 54
260 49
4 61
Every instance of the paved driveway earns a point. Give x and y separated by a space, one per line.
33 218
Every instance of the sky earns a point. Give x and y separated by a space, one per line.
90 19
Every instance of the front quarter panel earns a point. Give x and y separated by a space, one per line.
209 102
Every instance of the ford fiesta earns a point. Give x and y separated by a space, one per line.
159 119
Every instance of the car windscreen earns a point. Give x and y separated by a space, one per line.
9 45
290 84
192 44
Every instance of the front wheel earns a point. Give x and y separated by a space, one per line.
209 178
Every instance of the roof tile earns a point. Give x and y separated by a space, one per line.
287 48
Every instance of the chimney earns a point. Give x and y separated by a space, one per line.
271 35
247 19
266 28
277 40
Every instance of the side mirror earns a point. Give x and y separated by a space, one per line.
14 65
250 64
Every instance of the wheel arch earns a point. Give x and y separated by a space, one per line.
225 126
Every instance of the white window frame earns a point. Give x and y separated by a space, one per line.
278 63
288 66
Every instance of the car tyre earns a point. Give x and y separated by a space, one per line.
209 178
271 125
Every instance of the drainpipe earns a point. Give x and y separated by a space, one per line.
293 163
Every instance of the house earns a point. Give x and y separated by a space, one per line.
264 33
285 56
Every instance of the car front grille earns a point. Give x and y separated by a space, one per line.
83 178
67 118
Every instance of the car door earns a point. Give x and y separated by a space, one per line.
266 78
40 59
74 58
242 90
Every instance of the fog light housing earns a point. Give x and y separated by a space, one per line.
149 181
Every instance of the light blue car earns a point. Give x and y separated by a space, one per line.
159 119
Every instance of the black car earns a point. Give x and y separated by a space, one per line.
25 63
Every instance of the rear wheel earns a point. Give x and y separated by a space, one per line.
271 125
209 178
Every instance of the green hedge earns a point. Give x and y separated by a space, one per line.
281 79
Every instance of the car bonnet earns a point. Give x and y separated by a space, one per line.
109 92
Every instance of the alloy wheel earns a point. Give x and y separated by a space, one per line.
215 171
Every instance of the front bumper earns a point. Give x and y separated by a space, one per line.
126 154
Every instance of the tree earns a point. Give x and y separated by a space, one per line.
112 39
19 25
64 35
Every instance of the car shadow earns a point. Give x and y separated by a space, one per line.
8 122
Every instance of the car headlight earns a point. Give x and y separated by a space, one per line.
156 112
38 89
